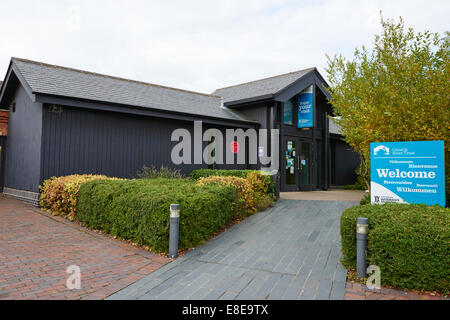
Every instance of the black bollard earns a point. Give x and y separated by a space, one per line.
362 230
174 230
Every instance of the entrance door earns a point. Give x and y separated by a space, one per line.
297 165
290 164
305 166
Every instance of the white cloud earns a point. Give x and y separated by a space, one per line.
200 45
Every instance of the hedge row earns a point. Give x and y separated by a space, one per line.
410 244
245 203
202 173
138 210
59 195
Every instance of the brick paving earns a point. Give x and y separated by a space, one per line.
36 249
290 251
357 291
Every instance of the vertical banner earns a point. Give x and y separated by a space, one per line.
306 108
407 172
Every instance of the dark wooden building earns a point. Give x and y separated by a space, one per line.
65 121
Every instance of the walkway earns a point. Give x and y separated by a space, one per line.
329 195
290 251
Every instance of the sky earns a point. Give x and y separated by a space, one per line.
200 45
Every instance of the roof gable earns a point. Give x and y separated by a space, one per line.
279 88
260 88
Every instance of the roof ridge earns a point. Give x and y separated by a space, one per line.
272 77
110 77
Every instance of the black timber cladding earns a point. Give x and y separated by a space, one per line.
76 141
22 161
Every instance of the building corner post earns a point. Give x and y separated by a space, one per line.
326 142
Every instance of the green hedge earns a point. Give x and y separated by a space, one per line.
202 173
138 210
410 244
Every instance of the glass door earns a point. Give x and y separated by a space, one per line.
304 165
290 164
297 165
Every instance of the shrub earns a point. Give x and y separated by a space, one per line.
260 183
264 202
245 204
201 173
59 195
359 184
138 210
410 244
163 172
366 199
262 190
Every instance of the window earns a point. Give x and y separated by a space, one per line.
288 107
12 106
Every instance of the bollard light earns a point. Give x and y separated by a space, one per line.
174 230
362 231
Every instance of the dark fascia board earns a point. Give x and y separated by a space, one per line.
250 103
233 104
322 84
88 104
312 77
24 83
13 69
5 83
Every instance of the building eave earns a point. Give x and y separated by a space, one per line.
138 110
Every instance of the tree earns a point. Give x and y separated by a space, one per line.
399 91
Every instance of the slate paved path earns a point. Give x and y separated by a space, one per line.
290 251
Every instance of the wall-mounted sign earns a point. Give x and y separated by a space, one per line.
407 172
289 145
306 108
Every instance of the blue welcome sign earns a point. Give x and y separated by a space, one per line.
407 172
305 108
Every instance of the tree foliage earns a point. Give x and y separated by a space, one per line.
398 91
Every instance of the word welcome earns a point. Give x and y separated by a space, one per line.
385 173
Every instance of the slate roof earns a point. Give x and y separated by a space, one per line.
260 88
67 82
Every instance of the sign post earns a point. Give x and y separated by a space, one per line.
407 172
